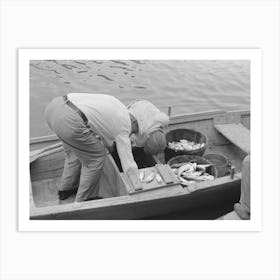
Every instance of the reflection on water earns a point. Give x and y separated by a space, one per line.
187 86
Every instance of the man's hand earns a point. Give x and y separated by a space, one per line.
133 174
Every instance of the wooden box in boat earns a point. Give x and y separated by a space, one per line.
208 200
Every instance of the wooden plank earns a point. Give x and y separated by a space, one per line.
41 145
195 116
206 116
237 134
46 138
164 173
246 121
49 174
47 148
47 167
230 117
34 155
168 180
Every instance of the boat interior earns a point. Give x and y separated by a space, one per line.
46 176
46 172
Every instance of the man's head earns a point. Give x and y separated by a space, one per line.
155 143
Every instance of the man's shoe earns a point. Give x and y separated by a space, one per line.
65 194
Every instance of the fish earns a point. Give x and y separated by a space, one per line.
142 176
204 177
207 177
191 172
192 175
177 165
203 167
189 167
194 165
159 179
150 177
175 170
185 145
186 182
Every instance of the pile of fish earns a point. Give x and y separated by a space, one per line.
185 145
191 172
150 177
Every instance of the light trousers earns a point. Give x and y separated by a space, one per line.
243 207
84 151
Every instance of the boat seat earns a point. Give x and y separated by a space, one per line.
238 134
167 179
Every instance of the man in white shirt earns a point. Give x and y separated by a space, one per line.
88 124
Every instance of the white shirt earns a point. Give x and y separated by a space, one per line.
111 119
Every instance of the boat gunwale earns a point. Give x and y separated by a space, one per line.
128 199
176 119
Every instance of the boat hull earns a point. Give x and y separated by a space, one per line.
210 200
205 203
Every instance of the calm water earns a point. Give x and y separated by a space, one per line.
187 86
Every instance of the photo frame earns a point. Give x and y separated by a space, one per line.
191 249
27 55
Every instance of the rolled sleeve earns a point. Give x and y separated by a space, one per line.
125 152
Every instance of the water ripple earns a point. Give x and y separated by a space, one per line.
105 77
119 62
120 67
188 86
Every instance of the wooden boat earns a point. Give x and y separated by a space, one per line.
227 134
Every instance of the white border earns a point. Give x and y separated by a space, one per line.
25 55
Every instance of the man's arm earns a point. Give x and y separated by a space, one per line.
125 154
